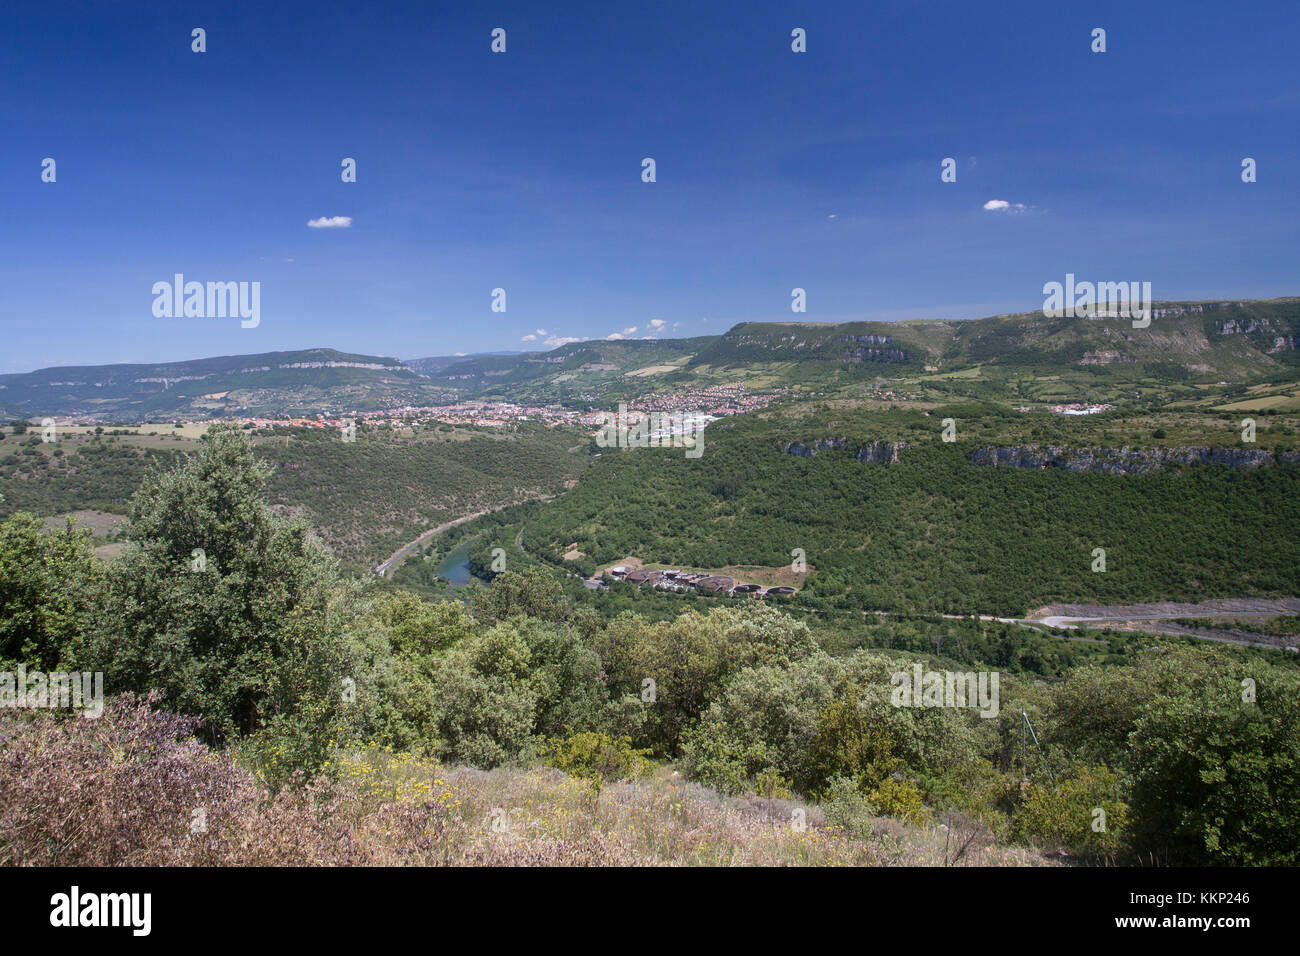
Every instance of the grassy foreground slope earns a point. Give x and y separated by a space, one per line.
132 803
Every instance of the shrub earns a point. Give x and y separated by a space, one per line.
846 808
253 633
596 757
48 588
1063 815
894 797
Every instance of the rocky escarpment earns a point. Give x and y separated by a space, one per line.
1129 461
878 452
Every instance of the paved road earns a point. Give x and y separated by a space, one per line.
385 568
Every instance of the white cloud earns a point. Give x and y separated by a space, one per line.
555 341
656 325
629 330
1001 205
613 336
330 222
541 331
529 338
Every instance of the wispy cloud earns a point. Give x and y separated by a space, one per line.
331 222
555 341
529 338
1001 205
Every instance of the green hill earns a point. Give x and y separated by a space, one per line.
938 530
1187 344
1196 340
577 373
299 383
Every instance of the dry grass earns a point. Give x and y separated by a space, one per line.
131 788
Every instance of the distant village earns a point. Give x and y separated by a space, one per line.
674 580
715 401
1072 408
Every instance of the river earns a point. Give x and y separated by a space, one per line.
455 566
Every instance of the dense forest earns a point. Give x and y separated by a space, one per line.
933 532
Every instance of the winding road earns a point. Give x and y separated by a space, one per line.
385 568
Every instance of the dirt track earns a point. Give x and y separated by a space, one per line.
1159 618
1220 607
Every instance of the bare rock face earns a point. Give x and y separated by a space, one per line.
1126 460
878 452
807 451
881 452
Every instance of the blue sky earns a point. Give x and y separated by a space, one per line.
522 170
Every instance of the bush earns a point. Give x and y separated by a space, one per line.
900 799
846 808
1064 814
596 757
230 610
49 584
1211 776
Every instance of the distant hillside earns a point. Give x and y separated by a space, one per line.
1004 357
298 383
854 343
1202 339
363 498
1207 340
892 518
436 363
579 371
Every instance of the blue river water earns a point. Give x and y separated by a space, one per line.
455 566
